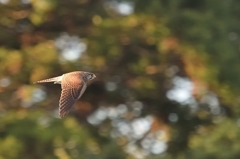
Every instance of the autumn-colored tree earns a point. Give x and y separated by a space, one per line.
167 78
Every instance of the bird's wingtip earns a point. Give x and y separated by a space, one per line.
61 116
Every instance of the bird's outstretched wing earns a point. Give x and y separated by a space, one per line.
68 97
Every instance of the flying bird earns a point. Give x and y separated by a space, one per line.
73 86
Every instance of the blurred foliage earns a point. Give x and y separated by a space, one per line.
167 86
35 135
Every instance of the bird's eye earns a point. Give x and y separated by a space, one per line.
90 76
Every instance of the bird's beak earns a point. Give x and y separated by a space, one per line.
94 76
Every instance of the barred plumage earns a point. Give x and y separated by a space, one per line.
73 86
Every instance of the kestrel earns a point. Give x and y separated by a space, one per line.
73 86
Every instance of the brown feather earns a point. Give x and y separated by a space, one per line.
72 89
73 86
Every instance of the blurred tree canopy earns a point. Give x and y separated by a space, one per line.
167 78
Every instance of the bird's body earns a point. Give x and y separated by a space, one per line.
73 86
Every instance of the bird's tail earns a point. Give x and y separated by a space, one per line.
54 79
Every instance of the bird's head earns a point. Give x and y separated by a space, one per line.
90 76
